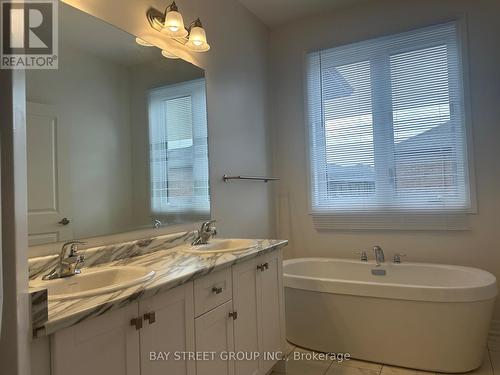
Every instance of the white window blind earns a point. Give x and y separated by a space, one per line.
387 125
178 149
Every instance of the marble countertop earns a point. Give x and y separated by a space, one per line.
172 266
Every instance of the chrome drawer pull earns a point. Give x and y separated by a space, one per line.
150 316
217 290
136 322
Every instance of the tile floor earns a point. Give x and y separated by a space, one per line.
491 366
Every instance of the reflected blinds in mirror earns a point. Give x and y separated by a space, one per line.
178 149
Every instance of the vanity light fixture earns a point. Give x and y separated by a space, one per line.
168 55
143 43
171 24
197 37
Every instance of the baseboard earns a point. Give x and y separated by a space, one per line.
494 336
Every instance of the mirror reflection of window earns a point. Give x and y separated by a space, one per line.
178 149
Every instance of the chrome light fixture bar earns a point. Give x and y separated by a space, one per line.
171 24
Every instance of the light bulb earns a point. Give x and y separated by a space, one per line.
198 39
173 25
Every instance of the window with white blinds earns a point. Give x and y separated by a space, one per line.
178 149
387 125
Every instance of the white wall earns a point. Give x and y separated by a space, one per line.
479 247
236 100
92 96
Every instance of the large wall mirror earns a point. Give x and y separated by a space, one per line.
116 137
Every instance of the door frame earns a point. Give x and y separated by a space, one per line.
16 334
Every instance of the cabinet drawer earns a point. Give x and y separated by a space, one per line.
212 290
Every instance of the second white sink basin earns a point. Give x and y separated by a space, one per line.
94 282
222 246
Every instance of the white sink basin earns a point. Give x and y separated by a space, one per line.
222 246
93 282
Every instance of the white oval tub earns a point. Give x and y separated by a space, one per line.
418 315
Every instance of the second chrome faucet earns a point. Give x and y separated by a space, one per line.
206 232
67 265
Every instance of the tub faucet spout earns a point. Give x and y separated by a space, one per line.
379 255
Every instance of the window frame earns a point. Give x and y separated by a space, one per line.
329 218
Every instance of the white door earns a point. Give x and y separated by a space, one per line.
168 327
49 217
214 334
272 306
246 301
107 344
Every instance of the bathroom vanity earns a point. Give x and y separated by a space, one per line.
194 313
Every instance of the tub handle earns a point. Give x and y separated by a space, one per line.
363 256
397 257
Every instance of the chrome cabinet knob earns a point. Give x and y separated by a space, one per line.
262 267
64 221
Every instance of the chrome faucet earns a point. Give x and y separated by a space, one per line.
67 265
379 255
157 223
206 232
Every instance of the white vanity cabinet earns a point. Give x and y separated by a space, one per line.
237 309
247 302
215 335
168 326
259 302
271 327
103 345
251 323
120 342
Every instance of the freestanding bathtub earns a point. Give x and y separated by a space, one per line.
425 316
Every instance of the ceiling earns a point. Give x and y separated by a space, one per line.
277 12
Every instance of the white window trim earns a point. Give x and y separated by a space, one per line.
425 220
